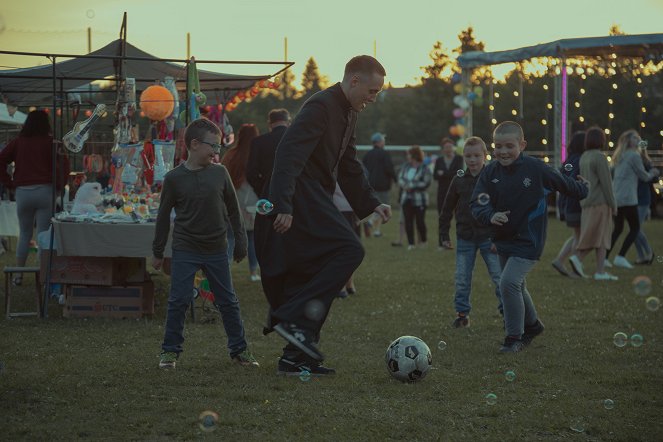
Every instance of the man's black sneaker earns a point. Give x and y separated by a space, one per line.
287 367
461 321
532 331
300 338
511 345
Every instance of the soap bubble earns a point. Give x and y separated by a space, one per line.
483 199
568 167
491 399
314 310
578 425
460 173
442 345
263 207
636 340
642 285
609 404
620 339
305 376
510 375
659 259
90 13
207 421
653 303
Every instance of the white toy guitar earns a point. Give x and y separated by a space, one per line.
77 137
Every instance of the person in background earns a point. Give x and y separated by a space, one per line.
415 178
381 175
343 206
263 148
628 169
446 168
642 247
235 161
204 200
597 208
471 236
32 155
569 207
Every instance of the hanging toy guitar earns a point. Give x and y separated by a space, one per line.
77 137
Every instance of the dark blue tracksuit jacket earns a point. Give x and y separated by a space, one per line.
520 188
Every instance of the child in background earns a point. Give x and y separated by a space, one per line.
510 194
202 195
471 236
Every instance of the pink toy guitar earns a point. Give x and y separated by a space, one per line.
77 137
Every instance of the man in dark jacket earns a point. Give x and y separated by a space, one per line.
305 247
380 174
263 148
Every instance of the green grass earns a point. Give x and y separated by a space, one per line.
98 379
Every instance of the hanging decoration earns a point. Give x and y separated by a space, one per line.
157 102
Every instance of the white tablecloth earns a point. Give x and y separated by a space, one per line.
8 218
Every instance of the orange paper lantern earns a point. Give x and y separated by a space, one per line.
157 102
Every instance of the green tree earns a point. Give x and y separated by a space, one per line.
312 80
441 63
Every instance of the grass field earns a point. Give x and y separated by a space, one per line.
98 379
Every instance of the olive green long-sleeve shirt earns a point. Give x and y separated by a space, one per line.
205 202
594 168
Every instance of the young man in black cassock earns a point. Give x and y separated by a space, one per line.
305 247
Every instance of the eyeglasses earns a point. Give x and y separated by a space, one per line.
216 147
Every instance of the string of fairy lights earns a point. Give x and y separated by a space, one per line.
581 70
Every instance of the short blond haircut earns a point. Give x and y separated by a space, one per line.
476 141
197 130
509 128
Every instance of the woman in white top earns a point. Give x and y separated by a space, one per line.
628 169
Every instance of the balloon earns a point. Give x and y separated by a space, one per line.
458 88
471 96
460 143
458 113
458 99
460 130
201 99
453 130
464 103
478 90
478 101
157 102
456 77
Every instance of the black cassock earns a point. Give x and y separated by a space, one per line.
304 269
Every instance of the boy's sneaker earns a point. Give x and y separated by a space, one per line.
532 331
511 345
246 359
168 359
576 265
622 262
286 367
300 338
607 264
605 276
461 321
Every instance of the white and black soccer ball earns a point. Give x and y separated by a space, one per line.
408 359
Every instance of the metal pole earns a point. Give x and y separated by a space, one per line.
188 45
54 160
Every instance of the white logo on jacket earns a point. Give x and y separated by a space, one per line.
495 181
527 182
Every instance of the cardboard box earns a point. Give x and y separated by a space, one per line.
104 302
92 270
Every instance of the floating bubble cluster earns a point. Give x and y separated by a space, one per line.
609 404
642 285
460 173
653 303
483 199
568 167
442 345
636 340
305 376
510 375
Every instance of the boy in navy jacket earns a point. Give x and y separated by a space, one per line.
510 195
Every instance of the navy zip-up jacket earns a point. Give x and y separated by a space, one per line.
520 188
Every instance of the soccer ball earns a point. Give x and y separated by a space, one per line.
408 359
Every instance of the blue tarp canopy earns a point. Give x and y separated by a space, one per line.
645 46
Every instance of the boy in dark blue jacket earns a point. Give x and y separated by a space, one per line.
510 194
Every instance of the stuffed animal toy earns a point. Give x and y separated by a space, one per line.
87 199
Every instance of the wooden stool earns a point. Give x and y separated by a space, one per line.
9 272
